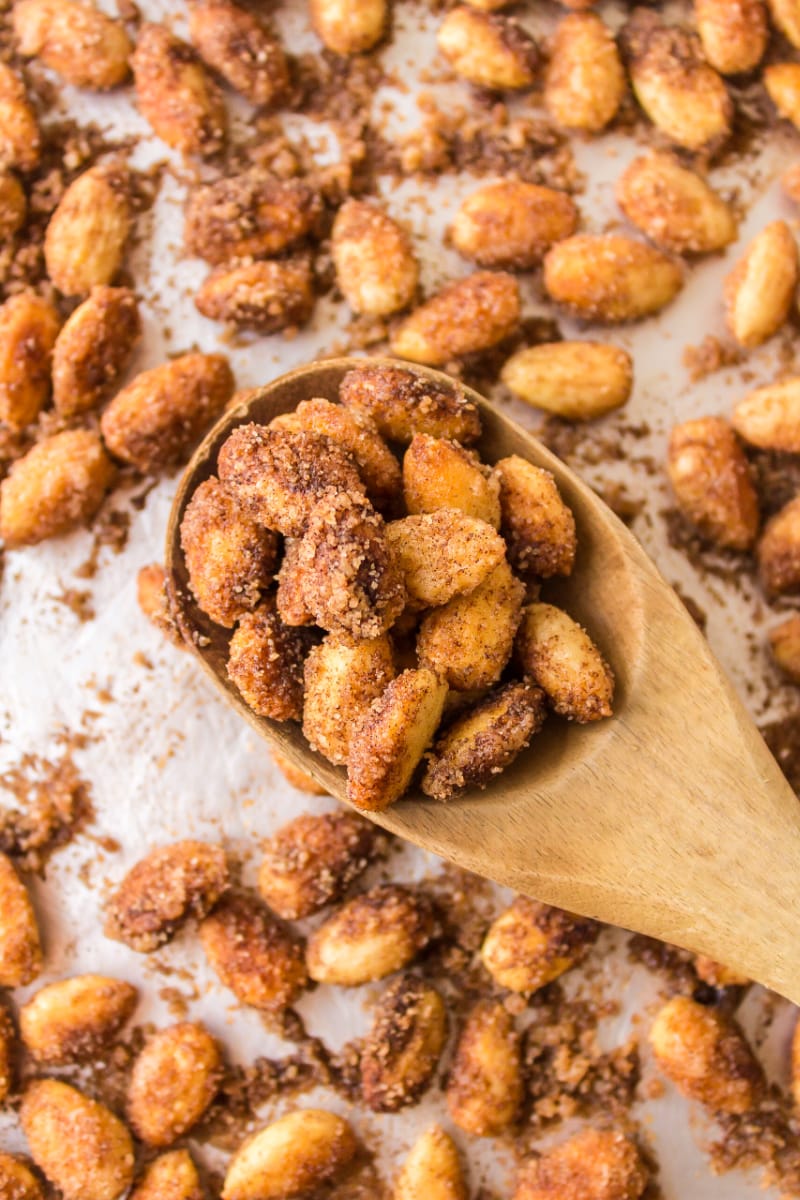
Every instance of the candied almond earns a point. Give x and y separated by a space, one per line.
371 936
402 1049
17 1181
511 224
468 315
782 81
264 296
485 1087
86 235
162 412
402 403
292 1156
705 1054
229 557
734 33
432 1169
95 1162
610 278
784 641
349 26
249 215
162 890
488 50
559 656
174 1079
312 861
57 486
236 44
253 953
175 94
710 477
80 43
760 289
75 1018
343 675
778 551
538 526
171 1176
585 80
29 328
444 554
577 381
296 777
438 473
600 1163
674 206
13 203
376 268
20 136
93 348
265 662
483 740
531 944
769 417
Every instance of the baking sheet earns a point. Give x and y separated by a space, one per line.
167 759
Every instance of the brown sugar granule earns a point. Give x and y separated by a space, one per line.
776 478
53 803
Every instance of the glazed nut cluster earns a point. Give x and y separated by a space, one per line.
423 575
378 935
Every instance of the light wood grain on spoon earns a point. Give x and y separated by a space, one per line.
671 819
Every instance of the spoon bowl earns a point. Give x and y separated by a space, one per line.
671 818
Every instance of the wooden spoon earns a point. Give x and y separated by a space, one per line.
672 818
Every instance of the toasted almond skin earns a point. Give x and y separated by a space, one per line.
538 526
96 1161
511 224
488 50
29 327
468 641
466 316
734 33
785 15
57 486
349 26
175 93
682 95
75 1018
292 1156
164 889
312 861
483 740
610 278
711 480
160 414
86 236
432 1169
173 1081
444 554
760 289
402 1049
75 39
20 136
577 381
782 81
343 676
599 1163
784 642
252 214
371 936
237 46
93 349
438 473
531 944
13 204
17 1181
376 268
390 738
558 655
401 403
171 1176
705 1055
484 1090
585 82
263 296
769 417
253 953
778 550
674 207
